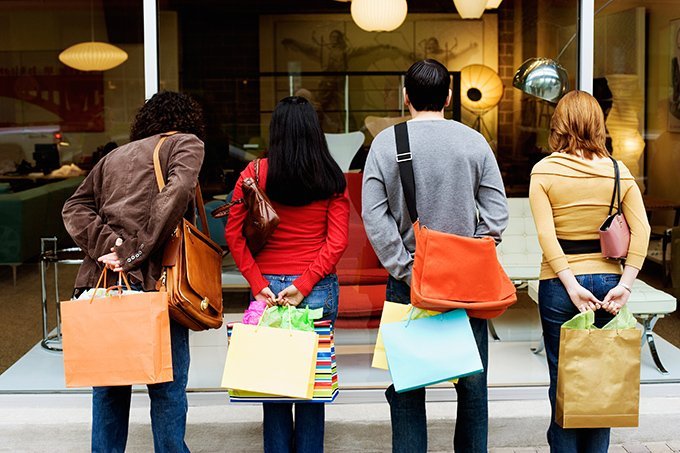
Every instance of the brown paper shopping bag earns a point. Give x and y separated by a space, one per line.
598 377
271 360
117 340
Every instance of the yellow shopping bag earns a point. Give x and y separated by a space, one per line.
271 360
392 312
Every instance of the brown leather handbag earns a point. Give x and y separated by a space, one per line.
261 218
192 267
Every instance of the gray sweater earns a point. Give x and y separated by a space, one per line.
459 190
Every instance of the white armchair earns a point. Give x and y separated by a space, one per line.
344 147
519 252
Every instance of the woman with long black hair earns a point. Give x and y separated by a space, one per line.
297 265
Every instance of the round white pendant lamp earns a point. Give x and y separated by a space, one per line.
493 4
481 88
470 9
93 56
379 15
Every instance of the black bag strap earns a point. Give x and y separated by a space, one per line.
616 195
405 162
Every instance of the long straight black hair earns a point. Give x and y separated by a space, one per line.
301 169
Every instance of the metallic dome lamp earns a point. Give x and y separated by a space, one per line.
545 78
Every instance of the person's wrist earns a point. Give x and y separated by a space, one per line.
626 287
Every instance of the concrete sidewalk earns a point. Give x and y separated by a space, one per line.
61 423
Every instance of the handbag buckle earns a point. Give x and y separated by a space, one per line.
404 157
204 304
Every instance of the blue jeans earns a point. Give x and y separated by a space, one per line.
111 406
556 308
305 434
407 409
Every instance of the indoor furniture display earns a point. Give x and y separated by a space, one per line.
29 215
343 147
659 247
50 255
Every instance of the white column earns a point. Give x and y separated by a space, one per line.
586 44
150 8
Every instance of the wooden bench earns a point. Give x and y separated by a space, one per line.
648 304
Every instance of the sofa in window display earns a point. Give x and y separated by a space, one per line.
362 278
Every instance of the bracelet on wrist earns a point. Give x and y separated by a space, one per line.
626 287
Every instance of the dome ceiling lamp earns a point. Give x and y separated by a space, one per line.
93 55
379 15
471 9
481 90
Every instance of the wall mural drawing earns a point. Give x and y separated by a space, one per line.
333 44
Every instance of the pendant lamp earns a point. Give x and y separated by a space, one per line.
470 9
379 15
493 4
93 55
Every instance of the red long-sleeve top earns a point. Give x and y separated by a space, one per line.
308 241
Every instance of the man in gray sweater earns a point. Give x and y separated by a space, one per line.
459 190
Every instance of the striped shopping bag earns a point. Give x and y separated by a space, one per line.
325 377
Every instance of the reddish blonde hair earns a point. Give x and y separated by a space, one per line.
578 125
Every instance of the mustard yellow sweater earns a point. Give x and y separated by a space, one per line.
570 199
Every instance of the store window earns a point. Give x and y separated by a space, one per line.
56 121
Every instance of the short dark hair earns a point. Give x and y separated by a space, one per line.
301 169
168 111
427 85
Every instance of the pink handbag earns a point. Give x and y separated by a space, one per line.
614 232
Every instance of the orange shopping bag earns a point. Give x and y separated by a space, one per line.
119 339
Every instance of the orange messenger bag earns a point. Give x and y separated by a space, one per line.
451 271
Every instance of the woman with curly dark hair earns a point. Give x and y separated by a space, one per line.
121 221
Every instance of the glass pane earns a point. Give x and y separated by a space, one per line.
56 121
637 82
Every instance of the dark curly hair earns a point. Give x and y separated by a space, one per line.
168 111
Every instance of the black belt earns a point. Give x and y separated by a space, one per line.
578 247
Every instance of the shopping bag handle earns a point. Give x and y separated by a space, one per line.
121 276
290 322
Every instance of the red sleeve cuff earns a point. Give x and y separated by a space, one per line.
303 285
258 285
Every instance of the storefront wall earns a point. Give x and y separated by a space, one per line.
239 60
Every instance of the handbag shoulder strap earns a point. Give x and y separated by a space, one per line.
405 162
616 194
257 171
160 181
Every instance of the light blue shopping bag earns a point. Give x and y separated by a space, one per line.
426 351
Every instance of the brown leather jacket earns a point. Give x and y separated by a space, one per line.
120 199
